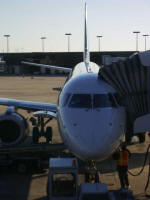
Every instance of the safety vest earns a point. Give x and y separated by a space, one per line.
123 158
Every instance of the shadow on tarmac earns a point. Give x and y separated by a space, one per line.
14 186
43 198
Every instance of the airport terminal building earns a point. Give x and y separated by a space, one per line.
65 59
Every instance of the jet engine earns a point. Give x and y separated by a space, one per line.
13 128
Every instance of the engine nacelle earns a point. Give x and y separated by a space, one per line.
13 128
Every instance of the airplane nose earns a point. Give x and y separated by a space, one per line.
90 141
92 135
92 145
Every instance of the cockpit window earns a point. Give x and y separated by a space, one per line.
66 99
119 100
103 100
81 101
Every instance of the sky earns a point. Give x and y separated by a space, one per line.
28 20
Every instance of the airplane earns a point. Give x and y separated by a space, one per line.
90 120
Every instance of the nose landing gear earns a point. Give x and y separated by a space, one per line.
92 174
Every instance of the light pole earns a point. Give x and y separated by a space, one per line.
7 38
42 39
136 32
145 40
99 36
68 35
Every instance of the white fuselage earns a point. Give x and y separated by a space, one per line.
90 121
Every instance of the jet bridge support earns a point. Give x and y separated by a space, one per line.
131 79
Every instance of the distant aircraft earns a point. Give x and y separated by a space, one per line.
90 121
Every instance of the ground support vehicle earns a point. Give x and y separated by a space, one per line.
28 157
63 184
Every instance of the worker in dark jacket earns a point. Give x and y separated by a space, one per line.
122 166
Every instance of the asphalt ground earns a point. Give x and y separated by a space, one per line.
32 186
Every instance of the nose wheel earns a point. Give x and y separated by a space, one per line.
92 174
35 135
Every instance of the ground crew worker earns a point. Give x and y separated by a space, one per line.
122 166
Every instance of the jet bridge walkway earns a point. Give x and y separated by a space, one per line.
131 79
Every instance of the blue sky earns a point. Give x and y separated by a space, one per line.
28 20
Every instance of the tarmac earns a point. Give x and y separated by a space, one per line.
32 186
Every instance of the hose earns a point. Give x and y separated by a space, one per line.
146 186
146 156
148 179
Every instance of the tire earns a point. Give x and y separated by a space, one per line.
49 134
35 135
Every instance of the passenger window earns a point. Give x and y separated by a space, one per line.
81 101
103 100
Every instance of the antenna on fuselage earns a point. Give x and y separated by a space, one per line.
86 55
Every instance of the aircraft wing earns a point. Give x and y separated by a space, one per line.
29 105
65 69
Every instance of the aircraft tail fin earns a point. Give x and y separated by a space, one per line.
86 55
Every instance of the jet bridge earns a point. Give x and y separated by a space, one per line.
131 79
